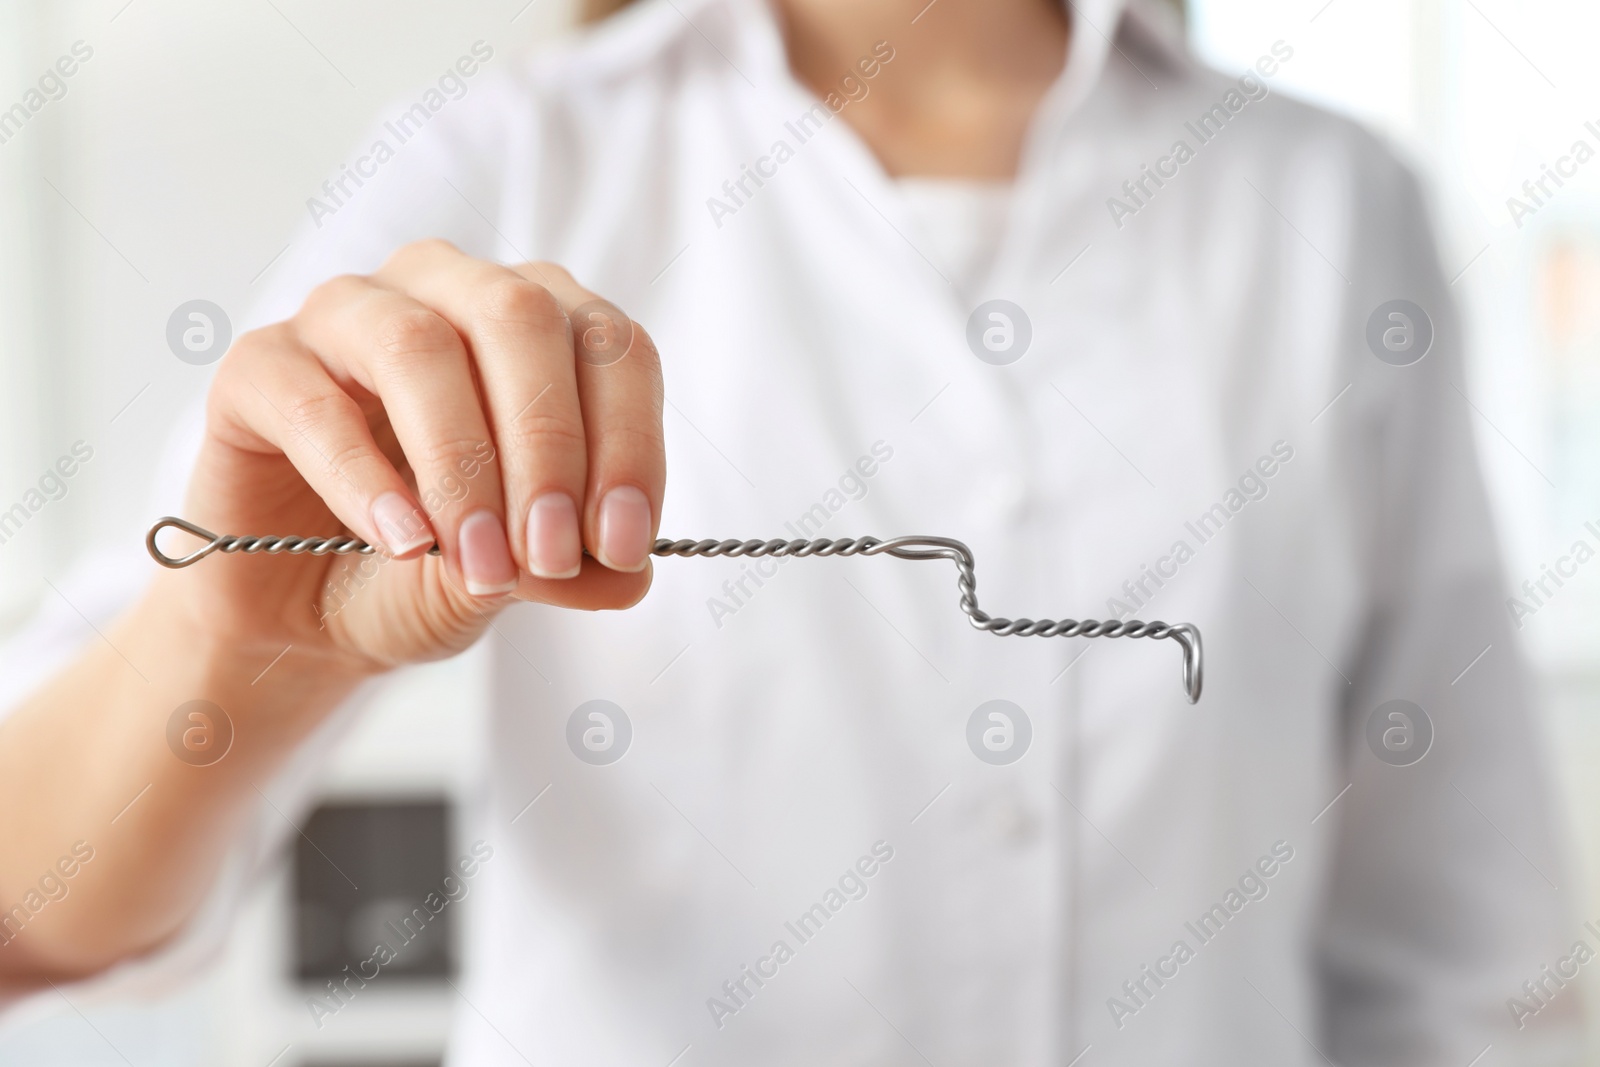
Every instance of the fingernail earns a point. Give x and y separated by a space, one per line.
624 529
485 559
400 525
555 548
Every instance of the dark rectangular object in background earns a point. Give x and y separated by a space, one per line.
363 874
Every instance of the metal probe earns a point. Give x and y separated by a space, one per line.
1187 635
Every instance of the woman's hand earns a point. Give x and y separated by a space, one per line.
443 398
505 412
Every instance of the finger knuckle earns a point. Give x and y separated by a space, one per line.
335 292
543 431
644 346
519 302
345 460
232 372
252 353
222 401
633 440
452 455
544 268
428 248
249 349
313 414
327 419
410 335
310 411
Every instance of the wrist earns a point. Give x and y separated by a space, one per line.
273 689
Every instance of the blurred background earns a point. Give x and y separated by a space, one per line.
175 163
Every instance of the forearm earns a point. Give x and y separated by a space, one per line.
87 759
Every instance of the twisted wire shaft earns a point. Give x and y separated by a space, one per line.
1185 634
311 546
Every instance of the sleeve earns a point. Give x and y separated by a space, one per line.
452 178
1449 889
445 180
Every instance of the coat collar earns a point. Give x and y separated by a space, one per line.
744 36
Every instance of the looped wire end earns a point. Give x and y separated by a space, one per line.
233 543
213 542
